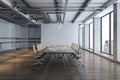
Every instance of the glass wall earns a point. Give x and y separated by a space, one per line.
34 35
91 35
15 39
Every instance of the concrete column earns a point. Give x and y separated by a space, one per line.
96 43
116 32
86 36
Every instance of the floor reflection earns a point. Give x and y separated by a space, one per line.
92 67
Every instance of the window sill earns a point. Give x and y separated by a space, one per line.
101 54
106 55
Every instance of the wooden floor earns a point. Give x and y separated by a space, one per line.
92 67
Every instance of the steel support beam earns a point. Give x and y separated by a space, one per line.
68 7
28 6
84 5
62 10
25 3
66 2
56 6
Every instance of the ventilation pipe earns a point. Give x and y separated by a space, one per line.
7 3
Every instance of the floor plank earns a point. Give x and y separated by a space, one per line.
92 67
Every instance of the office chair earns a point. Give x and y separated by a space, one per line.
37 57
40 48
76 57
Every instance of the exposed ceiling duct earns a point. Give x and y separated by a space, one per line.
9 6
52 11
46 16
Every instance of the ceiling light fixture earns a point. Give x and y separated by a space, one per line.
59 24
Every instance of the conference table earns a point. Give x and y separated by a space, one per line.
59 51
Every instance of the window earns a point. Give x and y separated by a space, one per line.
107 33
112 33
91 35
80 36
81 28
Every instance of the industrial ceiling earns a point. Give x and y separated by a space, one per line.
51 11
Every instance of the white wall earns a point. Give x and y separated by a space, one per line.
51 35
116 40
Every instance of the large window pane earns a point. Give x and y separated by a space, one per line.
112 33
105 34
91 36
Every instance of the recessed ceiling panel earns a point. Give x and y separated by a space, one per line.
75 2
83 16
38 3
97 3
69 16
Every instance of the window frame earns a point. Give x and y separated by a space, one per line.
109 14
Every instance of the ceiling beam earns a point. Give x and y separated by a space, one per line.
25 3
28 6
66 2
56 6
8 18
108 3
85 4
62 7
70 10
15 11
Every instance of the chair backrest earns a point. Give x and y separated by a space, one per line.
72 45
76 47
41 46
34 49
